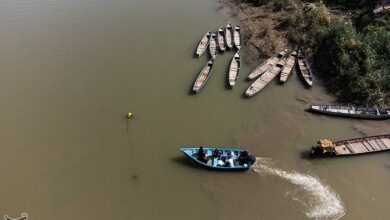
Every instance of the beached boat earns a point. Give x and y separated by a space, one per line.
219 164
237 37
304 69
228 36
221 39
202 46
288 67
266 65
352 111
213 46
203 76
234 69
363 145
264 79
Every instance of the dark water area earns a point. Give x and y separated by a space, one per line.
70 72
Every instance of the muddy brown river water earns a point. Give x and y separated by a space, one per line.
71 70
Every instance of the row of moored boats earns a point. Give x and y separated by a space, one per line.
225 39
282 64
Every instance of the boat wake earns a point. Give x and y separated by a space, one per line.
320 200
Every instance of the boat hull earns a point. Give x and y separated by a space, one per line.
348 115
196 88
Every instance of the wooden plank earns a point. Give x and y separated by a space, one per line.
376 147
386 142
367 147
349 147
340 150
359 148
374 144
381 144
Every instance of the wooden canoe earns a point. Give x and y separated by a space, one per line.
237 37
203 76
228 36
268 64
304 69
352 111
289 66
221 39
356 146
264 79
202 46
234 69
212 163
213 46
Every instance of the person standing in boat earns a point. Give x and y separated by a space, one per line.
202 155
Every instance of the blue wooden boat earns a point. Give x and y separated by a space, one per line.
212 163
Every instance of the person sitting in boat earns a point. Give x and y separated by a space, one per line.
245 158
217 154
217 158
202 155
230 159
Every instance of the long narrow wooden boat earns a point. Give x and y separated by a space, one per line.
268 64
221 39
264 79
304 68
228 36
202 46
237 37
352 111
203 76
289 66
213 46
212 163
234 69
356 146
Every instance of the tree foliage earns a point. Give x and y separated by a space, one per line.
356 64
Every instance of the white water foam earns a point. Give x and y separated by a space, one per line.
321 201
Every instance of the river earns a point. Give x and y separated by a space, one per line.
70 72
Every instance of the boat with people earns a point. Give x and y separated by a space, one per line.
237 37
268 64
228 36
234 69
356 146
289 66
203 44
221 39
304 68
219 158
264 79
213 46
352 111
203 76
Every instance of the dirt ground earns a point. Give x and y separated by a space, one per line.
262 35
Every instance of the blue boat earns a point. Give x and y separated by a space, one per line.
221 162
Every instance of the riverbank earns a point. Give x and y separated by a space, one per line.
348 46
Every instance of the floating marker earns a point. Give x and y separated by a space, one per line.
129 115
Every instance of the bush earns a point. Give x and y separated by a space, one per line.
279 5
356 64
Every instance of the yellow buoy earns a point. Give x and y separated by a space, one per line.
129 115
